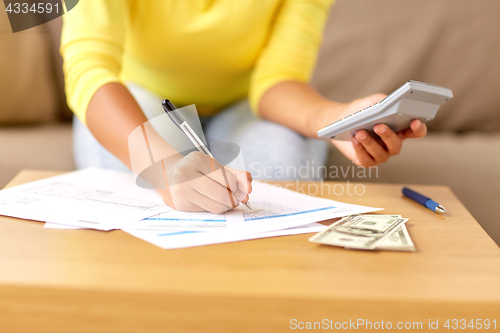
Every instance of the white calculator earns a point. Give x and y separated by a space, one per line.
413 100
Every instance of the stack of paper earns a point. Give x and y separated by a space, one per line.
90 198
105 199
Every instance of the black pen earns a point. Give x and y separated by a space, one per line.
180 122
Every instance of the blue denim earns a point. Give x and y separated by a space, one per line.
270 151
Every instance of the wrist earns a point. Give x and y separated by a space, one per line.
325 114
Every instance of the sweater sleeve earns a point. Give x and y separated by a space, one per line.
91 46
292 48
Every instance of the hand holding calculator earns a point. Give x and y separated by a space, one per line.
413 100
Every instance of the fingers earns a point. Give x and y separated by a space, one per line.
226 178
391 140
197 165
217 192
192 201
370 152
372 147
375 98
198 182
248 177
417 130
367 151
362 157
361 103
358 104
244 179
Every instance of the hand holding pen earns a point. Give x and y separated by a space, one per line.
204 173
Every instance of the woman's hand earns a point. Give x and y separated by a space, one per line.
298 106
366 151
199 183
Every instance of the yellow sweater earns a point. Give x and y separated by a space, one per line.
204 52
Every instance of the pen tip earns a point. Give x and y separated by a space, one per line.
167 105
440 210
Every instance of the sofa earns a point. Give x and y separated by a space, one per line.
369 46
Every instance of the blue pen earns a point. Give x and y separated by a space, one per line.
424 201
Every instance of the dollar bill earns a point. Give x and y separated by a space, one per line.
386 216
400 240
360 231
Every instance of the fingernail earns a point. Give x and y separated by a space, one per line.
381 129
417 126
361 136
355 141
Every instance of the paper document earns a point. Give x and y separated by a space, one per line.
106 199
182 239
92 198
50 225
273 208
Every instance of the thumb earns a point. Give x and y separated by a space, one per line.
244 180
367 101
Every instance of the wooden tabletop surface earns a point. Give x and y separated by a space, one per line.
93 281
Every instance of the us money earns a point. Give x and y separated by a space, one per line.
360 231
400 240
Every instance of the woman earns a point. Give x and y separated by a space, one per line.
121 57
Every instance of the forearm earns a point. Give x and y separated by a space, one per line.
298 106
112 115
185 183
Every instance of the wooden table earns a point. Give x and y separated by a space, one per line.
93 281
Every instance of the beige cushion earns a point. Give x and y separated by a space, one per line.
42 147
29 88
375 46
